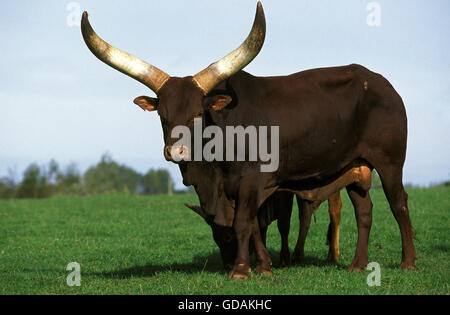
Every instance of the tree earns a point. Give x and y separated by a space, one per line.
156 182
34 184
105 177
108 176
7 188
69 181
8 185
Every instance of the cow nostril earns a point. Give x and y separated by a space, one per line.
167 153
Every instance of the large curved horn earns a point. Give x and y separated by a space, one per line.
134 67
208 78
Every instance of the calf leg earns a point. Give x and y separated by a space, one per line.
263 235
305 210
363 211
334 209
285 200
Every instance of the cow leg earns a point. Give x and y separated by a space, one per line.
391 178
243 225
334 209
305 210
262 255
243 228
263 235
363 211
284 223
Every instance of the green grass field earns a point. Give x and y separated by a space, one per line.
130 244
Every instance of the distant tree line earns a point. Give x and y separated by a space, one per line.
106 177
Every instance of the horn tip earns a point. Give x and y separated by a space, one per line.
259 6
260 9
86 28
84 20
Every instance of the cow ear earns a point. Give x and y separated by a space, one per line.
218 102
146 103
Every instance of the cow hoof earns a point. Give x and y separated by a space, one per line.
266 273
263 271
237 275
240 271
357 266
408 266
332 258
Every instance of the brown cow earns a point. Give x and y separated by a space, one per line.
329 119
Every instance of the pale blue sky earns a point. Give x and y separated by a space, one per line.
58 101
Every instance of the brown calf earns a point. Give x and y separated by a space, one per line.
278 207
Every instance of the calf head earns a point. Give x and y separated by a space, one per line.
225 237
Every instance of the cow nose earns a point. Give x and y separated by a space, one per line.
176 154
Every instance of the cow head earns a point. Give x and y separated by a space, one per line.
225 237
179 100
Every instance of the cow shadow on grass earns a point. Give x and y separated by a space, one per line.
442 248
310 261
206 264
200 264
307 261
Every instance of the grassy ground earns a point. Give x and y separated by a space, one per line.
154 245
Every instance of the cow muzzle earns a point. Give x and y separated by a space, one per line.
177 153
